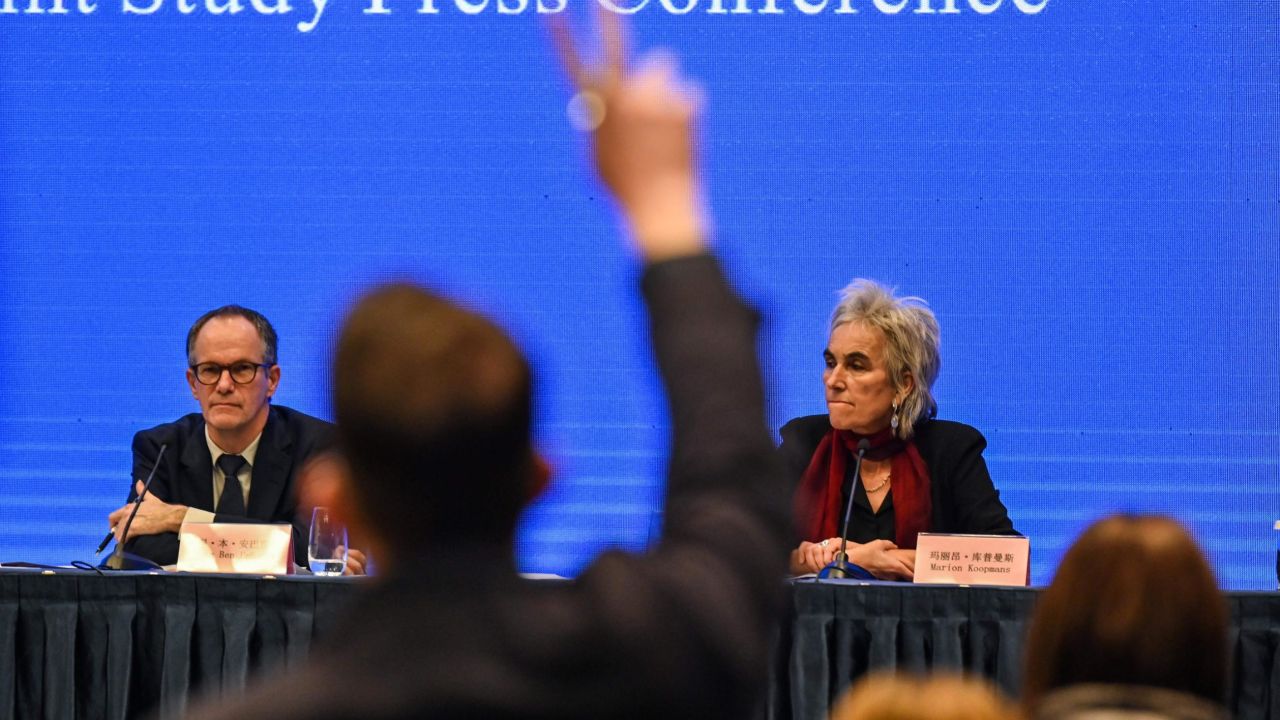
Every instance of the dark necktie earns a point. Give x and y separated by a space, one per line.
232 500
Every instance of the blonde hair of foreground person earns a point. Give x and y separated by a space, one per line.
886 696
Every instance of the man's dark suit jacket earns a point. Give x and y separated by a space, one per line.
963 498
185 475
682 632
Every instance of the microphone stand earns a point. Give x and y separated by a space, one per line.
121 560
840 566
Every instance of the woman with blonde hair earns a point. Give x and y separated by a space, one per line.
918 474
884 696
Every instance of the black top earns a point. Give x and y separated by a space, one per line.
866 524
964 499
680 632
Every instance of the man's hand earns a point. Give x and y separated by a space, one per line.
643 140
154 516
356 562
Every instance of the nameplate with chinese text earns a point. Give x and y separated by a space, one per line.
259 549
943 559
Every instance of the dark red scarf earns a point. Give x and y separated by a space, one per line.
819 510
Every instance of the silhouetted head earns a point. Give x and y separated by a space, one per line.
1134 602
433 405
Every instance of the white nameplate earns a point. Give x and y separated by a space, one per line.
973 559
236 548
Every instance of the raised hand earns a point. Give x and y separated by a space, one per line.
642 134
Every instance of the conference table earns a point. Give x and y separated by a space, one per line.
834 632
76 644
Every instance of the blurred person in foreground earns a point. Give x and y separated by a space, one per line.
918 475
886 696
1133 626
433 410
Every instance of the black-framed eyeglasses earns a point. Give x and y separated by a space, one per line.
242 373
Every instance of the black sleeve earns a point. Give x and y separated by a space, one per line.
800 437
162 548
704 339
693 616
795 452
974 500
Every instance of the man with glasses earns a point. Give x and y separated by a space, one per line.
235 460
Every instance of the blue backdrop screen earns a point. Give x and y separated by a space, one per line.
1087 193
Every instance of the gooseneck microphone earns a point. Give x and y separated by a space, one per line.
117 559
839 564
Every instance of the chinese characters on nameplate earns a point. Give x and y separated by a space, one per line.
972 559
236 548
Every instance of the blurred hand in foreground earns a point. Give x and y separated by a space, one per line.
642 133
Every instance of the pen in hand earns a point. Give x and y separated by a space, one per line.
137 503
112 532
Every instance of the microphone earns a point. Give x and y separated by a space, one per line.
117 559
840 567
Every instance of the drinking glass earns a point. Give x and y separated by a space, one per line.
327 549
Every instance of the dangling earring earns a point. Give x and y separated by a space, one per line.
893 420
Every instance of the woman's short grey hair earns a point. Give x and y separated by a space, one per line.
911 347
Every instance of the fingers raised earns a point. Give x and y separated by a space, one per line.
614 40
562 37
613 47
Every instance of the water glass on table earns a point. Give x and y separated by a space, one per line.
327 549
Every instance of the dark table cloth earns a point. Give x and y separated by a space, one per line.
79 645
835 631
75 644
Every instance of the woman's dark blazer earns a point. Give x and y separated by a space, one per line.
964 499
